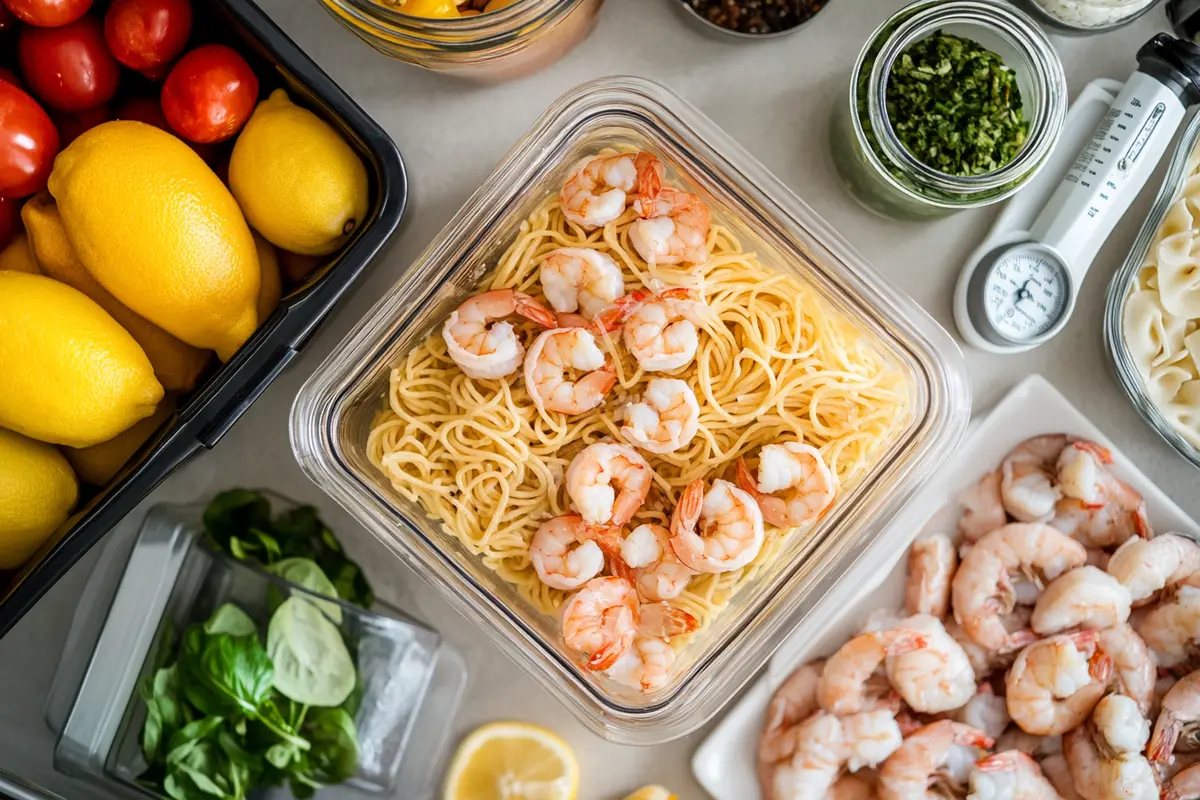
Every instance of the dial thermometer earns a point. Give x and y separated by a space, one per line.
1022 292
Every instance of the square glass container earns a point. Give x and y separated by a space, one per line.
411 680
334 411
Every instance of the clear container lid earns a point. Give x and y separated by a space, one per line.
336 408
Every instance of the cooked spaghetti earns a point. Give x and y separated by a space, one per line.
774 364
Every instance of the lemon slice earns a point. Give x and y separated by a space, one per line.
512 761
652 793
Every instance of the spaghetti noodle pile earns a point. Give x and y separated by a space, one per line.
774 364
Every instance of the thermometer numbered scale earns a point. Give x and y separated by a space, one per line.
1022 292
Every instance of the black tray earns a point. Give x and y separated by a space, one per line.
205 414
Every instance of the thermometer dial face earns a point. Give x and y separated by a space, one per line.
1025 295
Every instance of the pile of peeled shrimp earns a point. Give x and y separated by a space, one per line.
1047 652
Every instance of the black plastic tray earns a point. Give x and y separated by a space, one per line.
207 413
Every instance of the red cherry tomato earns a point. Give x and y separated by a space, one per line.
48 13
147 35
7 20
69 67
209 94
28 143
70 126
9 76
143 109
10 219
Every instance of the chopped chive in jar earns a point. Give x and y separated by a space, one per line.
955 106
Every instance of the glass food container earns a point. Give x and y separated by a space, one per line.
335 410
877 169
498 46
1125 281
1086 17
141 598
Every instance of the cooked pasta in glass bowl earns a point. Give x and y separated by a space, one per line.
1152 316
634 406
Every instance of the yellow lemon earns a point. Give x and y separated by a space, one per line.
157 228
18 257
177 365
299 183
98 464
512 761
652 793
69 374
271 287
37 491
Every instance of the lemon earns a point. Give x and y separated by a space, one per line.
652 793
98 464
299 183
37 491
157 228
271 286
512 761
69 374
17 257
297 267
177 365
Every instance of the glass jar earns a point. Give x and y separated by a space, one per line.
1085 17
876 167
497 46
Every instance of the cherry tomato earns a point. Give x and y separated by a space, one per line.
11 77
70 126
7 20
10 219
147 35
70 67
143 109
48 13
209 94
28 143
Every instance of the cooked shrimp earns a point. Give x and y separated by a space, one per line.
1085 597
1097 557
595 476
662 620
1172 630
1178 719
1082 469
1011 775
1027 478
667 418
793 702
1039 747
600 621
555 351
982 591
931 565
922 758
566 553
578 279
934 677
478 339
1056 682
1184 786
818 751
850 787
673 228
1058 772
794 487
983 508
843 685
870 737
657 572
645 665
1083 759
598 189
1112 523
986 662
1133 664
661 331
988 712
731 527
1119 726
1147 566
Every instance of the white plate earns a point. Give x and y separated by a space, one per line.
724 764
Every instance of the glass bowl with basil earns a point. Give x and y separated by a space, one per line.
952 104
268 669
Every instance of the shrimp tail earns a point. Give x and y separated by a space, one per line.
774 509
649 178
1141 522
662 620
1099 451
687 510
1166 734
613 317
532 310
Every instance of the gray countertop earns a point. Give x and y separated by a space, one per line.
775 99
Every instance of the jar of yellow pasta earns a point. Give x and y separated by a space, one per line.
486 41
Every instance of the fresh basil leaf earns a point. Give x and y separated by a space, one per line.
187 738
301 526
231 620
312 664
281 755
305 573
203 782
232 673
246 765
237 549
152 733
233 512
334 754
269 545
354 700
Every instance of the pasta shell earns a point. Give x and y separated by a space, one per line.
1151 334
1179 275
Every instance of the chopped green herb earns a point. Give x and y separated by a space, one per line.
955 106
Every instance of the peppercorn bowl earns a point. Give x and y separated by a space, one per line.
768 11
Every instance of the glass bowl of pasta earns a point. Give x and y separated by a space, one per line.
633 410
1152 314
